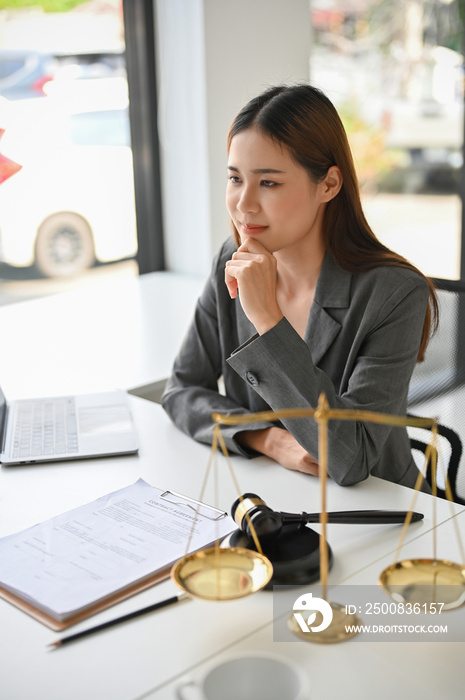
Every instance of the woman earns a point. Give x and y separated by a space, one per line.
304 300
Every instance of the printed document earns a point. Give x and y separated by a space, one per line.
67 563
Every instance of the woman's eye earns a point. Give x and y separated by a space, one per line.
268 183
234 179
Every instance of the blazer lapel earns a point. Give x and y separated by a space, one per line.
332 292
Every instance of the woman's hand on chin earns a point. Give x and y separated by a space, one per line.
251 274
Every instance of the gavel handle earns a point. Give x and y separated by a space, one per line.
354 517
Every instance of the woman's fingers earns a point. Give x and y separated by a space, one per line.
251 274
231 281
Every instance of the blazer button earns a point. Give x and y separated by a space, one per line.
251 378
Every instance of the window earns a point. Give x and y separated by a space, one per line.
394 69
68 214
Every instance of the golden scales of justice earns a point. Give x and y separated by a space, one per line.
226 573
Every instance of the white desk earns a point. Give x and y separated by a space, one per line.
145 657
123 333
362 670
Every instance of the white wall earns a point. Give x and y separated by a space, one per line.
213 56
182 123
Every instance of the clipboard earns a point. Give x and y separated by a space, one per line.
197 510
58 625
217 514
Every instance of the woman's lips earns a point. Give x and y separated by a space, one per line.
251 229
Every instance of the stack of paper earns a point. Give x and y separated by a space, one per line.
78 563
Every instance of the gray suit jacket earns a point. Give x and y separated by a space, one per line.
360 348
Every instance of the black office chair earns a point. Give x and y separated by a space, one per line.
451 465
437 389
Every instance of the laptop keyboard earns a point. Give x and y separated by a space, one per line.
45 427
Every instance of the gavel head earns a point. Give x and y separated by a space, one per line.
249 510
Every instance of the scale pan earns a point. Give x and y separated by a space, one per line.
425 581
222 574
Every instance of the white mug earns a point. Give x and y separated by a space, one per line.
254 676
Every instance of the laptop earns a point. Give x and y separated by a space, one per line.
65 427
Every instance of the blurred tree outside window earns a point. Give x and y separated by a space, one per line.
394 69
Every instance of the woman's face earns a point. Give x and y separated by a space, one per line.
269 196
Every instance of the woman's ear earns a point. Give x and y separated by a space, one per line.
332 183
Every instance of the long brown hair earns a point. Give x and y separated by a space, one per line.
304 120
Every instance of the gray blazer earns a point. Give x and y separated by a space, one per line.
360 348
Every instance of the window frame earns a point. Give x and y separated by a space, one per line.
139 29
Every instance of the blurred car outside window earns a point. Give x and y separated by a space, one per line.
24 73
72 202
67 209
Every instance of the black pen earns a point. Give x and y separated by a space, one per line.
130 616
